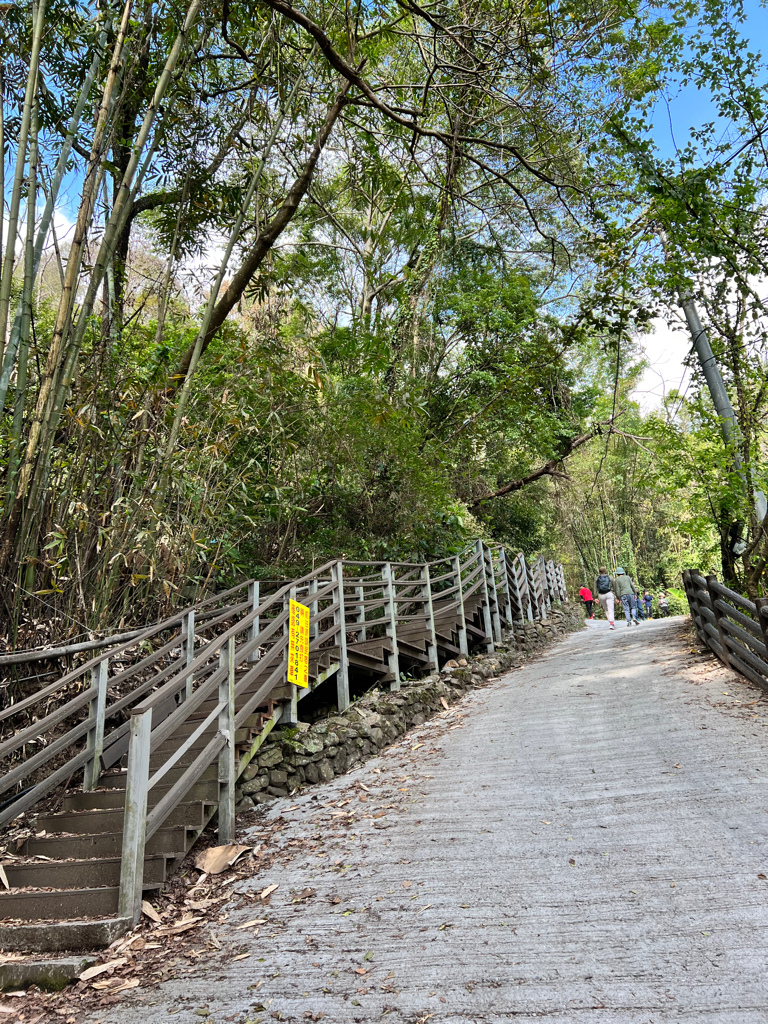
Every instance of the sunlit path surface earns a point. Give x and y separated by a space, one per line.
586 846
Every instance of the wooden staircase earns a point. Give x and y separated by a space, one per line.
157 741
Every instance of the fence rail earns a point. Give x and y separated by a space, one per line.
187 694
732 626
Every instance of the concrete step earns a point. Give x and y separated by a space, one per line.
57 935
174 842
171 777
114 799
74 874
108 820
61 904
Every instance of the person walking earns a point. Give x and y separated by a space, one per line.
663 604
586 596
648 602
605 595
627 591
639 607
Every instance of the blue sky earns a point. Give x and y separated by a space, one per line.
674 116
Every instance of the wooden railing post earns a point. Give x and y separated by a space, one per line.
253 628
713 597
135 820
226 772
507 594
289 714
462 628
429 617
485 603
95 738
339 620
188 648
360 594
391 627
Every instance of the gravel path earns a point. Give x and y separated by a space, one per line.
582 841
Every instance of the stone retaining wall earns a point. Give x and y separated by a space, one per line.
291 758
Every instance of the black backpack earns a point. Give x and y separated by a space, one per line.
604 584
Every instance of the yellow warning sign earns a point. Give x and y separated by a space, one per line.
298 644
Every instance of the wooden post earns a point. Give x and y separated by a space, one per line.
493 597
389 599
485 603
95 737
429 617
507 585
188 649
289 714
226 774
135 820
360 593
253 628
462 628
339 620
713 596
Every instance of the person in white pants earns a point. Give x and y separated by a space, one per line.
605 596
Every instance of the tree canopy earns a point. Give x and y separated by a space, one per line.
284 282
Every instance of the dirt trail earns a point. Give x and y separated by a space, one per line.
582 841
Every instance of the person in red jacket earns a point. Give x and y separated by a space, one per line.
586 595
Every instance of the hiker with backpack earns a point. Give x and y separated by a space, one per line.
604 591
627 591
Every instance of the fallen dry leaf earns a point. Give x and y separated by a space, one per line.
149 911
444 702
242 956
267 892
121 986
97 969
216 859
4 877
250 924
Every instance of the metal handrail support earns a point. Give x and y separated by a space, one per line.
135 820
462 627
253 629
339 621
360 616
289 716
484 599
95 737
391 627
188 648
429 619
505 577
493 597
227 755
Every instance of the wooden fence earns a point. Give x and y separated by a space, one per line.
731 625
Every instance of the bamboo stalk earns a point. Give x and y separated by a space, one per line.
9 358
26 310
18 179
